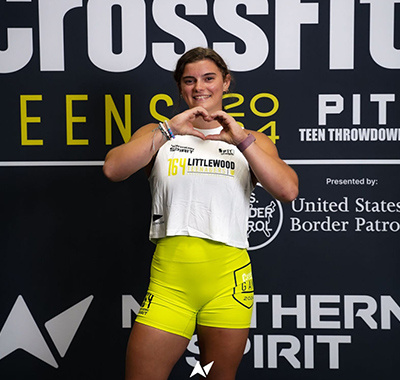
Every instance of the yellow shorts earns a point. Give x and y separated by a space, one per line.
197 281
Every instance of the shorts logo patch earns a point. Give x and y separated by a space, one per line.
243 292
144 309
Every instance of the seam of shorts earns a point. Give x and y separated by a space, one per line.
165 329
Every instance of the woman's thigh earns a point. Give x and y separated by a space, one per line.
224 347
152 353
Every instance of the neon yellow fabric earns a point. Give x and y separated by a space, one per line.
197 281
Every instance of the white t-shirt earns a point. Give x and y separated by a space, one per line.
201 188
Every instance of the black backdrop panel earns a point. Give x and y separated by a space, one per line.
76 81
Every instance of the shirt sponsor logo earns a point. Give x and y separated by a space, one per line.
211 166
226 152
181 149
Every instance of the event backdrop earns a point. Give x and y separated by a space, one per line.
320 78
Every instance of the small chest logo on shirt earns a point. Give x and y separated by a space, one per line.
226 152
181 149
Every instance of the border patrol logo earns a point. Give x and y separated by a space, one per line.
265 219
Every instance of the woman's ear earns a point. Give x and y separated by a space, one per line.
227 83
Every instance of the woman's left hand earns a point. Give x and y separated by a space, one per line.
273 173
231 132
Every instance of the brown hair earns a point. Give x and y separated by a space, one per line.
198 54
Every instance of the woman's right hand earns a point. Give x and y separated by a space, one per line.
182 124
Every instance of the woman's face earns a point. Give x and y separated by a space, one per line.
202 84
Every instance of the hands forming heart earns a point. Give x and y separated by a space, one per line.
185 123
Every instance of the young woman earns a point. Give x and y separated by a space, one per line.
202 166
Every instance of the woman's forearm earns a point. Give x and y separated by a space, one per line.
126 159
279 179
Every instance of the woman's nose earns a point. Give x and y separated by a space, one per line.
199 85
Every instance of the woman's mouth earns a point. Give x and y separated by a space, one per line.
201 97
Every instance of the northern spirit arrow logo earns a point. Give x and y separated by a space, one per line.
202 371
20 331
